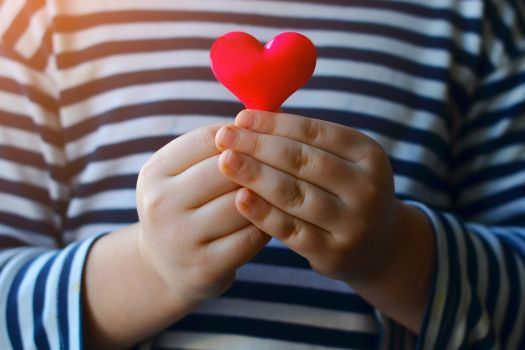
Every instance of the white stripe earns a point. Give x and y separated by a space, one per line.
212 91
121 64
30 238
497 130
440 290
23 75
368 105
18 104
501 279
122 166
9 9
50 318
211 30
519 325
7 275
412 187
30 209
500 156
206 341
279 9
108 200
409 151
91 230
288 313
490 187
500 213
481 261
32 38
507 14
495 103
74 295
18 172
133 129
25 300
461 313
289 276
30 142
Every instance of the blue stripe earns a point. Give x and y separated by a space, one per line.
278 330
419 172
281 257
114 216
380 90
490 119
487 342
466 24
169 108
492 277
514 298
502 32
385 59
25 224
39 295
318 298
12 320
109 183
493 201
491 172
519 12
119 150
63 294
496 88
454 290
511 138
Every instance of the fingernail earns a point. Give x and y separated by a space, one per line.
244 198
232 161
245 119
226 137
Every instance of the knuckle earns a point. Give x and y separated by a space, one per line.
322 212
294 194
291 228
321 164
313 131
300 159
152 203
207 135
254 235
257 146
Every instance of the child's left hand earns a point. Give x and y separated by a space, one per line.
323 189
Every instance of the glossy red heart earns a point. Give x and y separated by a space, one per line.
263 77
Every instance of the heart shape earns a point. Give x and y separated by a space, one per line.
263 77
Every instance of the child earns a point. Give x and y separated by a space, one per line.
385 208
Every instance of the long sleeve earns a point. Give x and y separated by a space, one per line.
478 295
40 276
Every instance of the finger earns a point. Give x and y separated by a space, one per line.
298 159
223 208
334 138
237 248
201 183
302 237
294 196
184 151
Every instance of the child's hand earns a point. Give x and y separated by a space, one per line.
323 189
191 234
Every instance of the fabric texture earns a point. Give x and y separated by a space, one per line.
89 90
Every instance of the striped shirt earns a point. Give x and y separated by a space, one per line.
89 90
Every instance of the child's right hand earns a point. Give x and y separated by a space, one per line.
191 233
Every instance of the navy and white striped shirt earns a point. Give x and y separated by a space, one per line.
90 89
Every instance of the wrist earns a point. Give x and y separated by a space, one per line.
401 285
164 281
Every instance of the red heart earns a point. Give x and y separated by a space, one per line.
263 77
